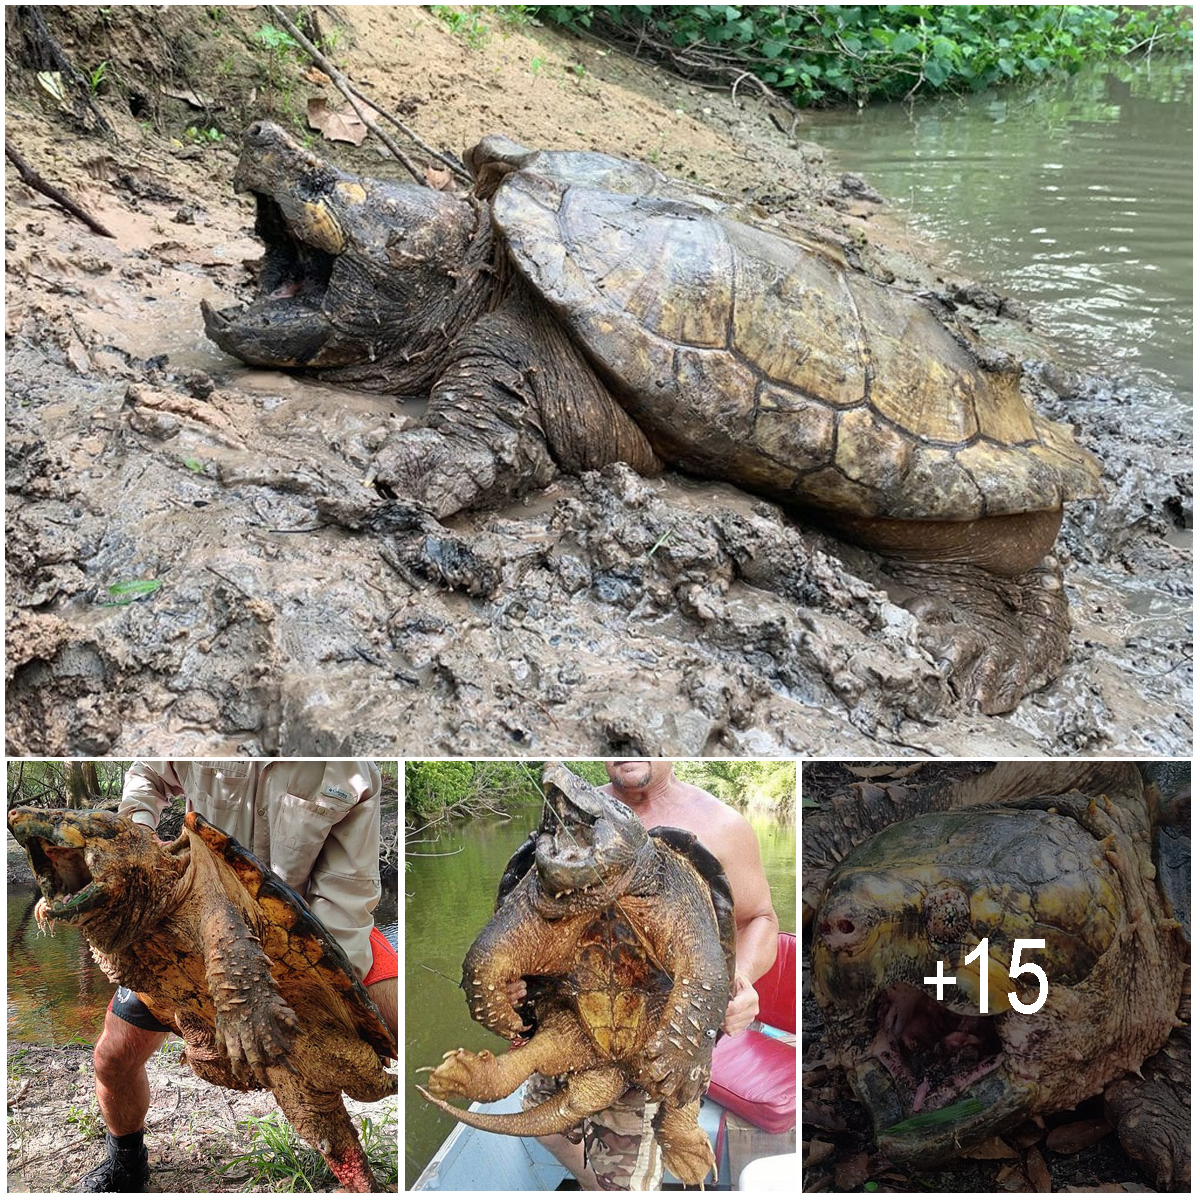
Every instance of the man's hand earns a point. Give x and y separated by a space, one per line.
742 1007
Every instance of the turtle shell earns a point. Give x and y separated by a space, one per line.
750 357
709 868
295 940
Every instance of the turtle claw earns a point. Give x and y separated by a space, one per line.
463 1073
995 639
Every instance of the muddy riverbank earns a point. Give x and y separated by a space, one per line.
286 612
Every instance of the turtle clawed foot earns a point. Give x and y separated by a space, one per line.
259 1038
427 466
1152 1115
465 1074
997 639
687 1152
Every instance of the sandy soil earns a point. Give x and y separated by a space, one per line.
610 614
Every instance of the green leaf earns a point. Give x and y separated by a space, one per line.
133 588
194 464
941 1116
903 42
937 71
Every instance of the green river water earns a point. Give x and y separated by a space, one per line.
450 888
1074 196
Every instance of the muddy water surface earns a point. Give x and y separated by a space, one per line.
450 890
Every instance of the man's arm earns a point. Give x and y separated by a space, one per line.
333 837
757 939
147 790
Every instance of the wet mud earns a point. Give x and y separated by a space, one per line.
298 613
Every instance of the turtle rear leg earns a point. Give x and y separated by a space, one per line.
1001 638
988 595
516 403
560 1045
320 1118
687 1152
1152 1115
585 1093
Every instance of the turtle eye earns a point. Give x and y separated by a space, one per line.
946 914
315 184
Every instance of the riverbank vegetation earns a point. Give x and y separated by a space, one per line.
819 54
439 790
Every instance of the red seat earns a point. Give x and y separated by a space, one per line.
754 1075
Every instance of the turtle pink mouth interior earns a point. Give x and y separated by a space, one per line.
63 868
290 268
931 1052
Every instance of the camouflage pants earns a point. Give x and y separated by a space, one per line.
618 1143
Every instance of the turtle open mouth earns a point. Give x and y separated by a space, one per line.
65 880
565 847
291 268
287 324
932 1053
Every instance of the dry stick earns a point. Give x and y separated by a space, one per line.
35 181
357 99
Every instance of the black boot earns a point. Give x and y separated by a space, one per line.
125 1169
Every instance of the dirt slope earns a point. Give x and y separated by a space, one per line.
610 614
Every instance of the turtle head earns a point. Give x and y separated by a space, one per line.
94 869
946 1043
590 846
360 278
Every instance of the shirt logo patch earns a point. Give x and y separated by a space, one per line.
337 793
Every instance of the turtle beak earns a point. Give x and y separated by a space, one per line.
58 856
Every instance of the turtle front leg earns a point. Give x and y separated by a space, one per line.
687 1152
1152 1115
254 1024
515 403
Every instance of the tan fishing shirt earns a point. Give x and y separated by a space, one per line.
315 823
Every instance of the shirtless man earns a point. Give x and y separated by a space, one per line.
612 1138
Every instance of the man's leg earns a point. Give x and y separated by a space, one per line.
570 1154
612 1151
122 1087
385 993
131 1035
381 981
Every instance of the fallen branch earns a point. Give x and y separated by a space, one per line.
358 100
30 177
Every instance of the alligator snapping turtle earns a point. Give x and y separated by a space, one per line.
582 309
225 953
1060 852
625 938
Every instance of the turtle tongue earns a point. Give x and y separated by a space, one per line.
932 1052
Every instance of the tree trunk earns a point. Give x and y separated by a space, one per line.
76 788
